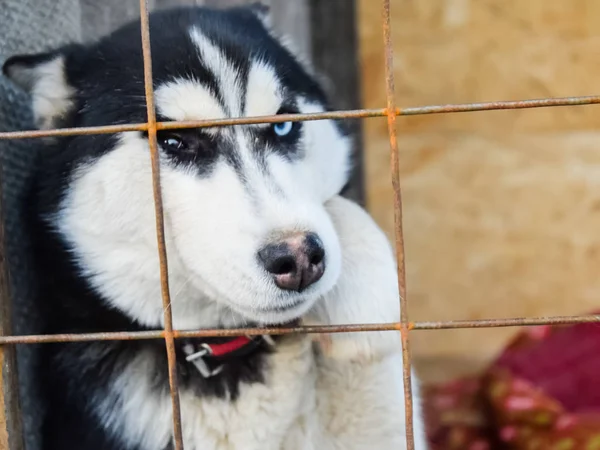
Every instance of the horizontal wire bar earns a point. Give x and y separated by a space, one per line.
325 329
108 129
159 334
498 323
500 105
346 114
212 123
257 120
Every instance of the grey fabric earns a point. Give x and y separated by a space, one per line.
101 17
27 26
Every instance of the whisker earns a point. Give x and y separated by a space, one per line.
181 288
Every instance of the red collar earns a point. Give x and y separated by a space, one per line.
228 347
234 347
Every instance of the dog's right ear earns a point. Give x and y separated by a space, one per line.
262 12
43 75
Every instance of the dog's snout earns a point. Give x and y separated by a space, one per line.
295 262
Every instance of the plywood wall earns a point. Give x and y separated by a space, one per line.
502 209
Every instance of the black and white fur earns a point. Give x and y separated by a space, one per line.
227 192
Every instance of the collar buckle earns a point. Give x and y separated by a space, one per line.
197 359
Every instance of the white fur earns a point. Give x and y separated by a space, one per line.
107 216
218 64
182 100
346 395
51 95
260 419
360 382
265 97
326 149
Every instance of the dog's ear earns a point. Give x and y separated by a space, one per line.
44 77
262 11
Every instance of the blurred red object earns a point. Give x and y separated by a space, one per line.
542 393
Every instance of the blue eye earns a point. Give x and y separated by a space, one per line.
283 129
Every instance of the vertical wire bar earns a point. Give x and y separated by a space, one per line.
160 225
11 434
399 235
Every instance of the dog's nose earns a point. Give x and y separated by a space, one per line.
295 262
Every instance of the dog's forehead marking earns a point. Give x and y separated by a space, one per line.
187 99
264 94
255 93
223 70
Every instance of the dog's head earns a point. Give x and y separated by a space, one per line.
247 233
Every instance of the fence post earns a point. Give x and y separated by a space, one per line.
335 53
11 435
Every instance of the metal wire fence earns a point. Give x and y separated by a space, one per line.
391 112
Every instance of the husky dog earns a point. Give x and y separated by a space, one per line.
256 233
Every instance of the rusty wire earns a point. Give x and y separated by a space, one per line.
340 114
398 228
324 329
390 112
160 227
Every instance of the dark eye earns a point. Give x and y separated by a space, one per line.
172 143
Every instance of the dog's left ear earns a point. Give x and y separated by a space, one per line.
43 75
262 11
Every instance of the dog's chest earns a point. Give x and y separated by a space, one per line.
260 418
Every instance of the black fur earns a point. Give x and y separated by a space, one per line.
109 89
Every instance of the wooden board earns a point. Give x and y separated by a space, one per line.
501 209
